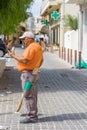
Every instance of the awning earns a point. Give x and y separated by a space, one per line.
44 29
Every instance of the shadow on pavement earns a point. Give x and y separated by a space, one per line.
64 117
50 80
10 81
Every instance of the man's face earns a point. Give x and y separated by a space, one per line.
26 41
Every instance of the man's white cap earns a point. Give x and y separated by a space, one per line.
27 34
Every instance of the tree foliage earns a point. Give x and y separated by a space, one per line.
12 12
72 22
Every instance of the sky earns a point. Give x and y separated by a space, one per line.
35 8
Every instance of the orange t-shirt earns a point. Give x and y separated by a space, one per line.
34 54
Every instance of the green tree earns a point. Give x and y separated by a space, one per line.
72 22
12 12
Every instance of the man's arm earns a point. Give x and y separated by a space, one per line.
41 62
20 59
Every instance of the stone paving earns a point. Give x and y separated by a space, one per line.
62 96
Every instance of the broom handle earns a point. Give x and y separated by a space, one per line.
20 103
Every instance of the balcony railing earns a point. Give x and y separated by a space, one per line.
76 1
47 3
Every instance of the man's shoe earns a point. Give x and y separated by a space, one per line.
28 120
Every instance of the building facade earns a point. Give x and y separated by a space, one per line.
56 28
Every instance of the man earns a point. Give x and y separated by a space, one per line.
42 43
28 64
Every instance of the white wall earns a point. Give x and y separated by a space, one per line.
67 9
84 49
71 9
71 40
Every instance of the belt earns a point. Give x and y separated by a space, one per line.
34 71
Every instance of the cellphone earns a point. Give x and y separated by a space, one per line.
8 49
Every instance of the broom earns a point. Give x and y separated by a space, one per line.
20 103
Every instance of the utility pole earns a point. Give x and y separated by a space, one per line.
62 24
80 41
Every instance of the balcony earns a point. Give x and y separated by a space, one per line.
49 5
76 1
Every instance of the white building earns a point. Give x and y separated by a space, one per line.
37 25
30 22
56 28
82 40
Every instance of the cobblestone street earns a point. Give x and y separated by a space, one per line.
62 96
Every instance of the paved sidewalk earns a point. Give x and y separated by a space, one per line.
62 97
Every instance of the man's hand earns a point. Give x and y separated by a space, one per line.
10 53
20 59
